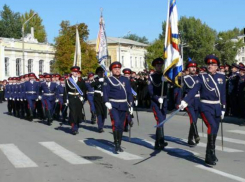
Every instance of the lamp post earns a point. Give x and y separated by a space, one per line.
23 46
120 46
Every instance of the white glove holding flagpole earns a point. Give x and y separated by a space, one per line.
183 105
160 100
222 114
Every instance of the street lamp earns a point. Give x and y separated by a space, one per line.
120 45
23 31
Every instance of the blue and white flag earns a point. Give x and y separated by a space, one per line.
101 45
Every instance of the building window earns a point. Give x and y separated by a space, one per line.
18 67
51 63
40 66
6 63
243 59
122 60
131 62
136 62
30 65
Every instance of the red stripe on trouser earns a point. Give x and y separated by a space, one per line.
112 122
46 105
189 114
155 114
206 122
60 106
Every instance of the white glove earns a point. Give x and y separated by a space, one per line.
24 99
10 98
81 99
222 114
17 99
101 79
160 100
40 97
21 99
108 105
6 98
163 79
131 110
56 100
67 102
183 105
36 99
136 102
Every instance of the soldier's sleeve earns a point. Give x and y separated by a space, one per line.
129 93
84 90
95 83
106 89
150 90
65 95
193 92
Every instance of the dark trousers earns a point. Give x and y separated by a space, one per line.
211 121
117 119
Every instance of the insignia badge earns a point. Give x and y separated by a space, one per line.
105 84
149 82
197 81
124 84
207 79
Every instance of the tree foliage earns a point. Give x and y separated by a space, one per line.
36 23
137 38
65 49
10 24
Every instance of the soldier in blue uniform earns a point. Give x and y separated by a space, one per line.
60 89
155 87
21 97
241 93
232 89
90 96
194 104
128 120
31 94
101 110
118 99
75 93
48 90
7 95
15 98
212 88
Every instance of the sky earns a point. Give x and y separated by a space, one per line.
140 17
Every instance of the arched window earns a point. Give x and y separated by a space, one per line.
51 66
18 67
6 63
30 65
41 66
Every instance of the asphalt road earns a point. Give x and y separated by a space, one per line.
35 152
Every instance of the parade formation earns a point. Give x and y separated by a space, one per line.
205 93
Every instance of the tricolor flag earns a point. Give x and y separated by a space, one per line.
173 61
101 45
77 56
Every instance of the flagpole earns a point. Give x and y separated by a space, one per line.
165 45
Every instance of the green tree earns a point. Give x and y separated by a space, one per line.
65 49
155 50
137 38
228 45
10 24
36 23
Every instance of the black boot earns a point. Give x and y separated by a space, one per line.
120 133
93 118
160 143
214 140
30 115
195 133
190 136
116 141
210 152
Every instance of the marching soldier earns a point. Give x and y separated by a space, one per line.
75 93
60 89
31 94
118 99
101 110
211 86
90 96
155 82
48 90
194 105
128 120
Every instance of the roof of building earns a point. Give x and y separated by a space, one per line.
116 40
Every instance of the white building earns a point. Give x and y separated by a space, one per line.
240 57
131 54
38 56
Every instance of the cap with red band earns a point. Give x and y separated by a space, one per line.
115 64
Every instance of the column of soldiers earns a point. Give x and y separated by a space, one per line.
204 92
